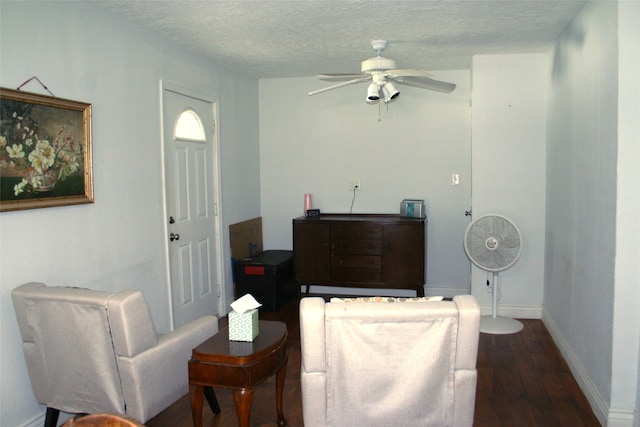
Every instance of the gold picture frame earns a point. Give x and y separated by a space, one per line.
45 151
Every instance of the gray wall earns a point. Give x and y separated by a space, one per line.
581 196
592 283
408 149
83 53
508 163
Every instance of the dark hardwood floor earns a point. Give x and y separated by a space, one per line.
523 380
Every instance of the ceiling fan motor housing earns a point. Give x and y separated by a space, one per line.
377 64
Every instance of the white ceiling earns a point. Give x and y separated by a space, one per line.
278 38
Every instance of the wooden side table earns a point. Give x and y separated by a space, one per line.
240 366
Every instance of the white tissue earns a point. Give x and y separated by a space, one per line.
245 303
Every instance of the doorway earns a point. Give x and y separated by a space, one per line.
192 199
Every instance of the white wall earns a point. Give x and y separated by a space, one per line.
83 53
592 277
509 171
316 144
581 195
626 330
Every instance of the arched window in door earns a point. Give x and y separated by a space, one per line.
189 126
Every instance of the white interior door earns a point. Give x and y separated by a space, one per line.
191 206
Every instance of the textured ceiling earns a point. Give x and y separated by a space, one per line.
270 39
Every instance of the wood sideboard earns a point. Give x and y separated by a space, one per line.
360 251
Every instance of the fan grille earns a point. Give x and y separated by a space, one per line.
493 243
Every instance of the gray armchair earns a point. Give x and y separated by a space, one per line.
367 364
91 351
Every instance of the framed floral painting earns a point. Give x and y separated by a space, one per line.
45 151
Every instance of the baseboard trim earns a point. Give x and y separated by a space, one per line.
431 291
598 404
622 418
37 421
514 311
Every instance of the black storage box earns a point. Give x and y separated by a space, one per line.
268 277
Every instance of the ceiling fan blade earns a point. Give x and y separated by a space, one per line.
409 72
339 85
339 76
427 83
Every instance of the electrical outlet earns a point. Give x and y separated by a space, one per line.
354 184
455 179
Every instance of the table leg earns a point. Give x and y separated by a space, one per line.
242 399
195 394
211 398
280 376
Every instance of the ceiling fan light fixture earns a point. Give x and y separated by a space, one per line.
390 92
373 94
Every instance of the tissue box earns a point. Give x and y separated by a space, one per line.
243 326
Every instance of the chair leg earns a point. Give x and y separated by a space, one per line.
51 418
212 399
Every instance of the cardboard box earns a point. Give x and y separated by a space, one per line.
243 326
246 239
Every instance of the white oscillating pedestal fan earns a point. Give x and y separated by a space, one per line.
493 243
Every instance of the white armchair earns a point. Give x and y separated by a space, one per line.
389 364
90 351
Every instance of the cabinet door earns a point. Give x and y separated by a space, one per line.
311 252
403 255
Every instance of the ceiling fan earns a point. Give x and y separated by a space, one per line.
382 72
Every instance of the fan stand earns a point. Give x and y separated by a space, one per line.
495 324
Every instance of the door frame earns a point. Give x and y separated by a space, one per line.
197 93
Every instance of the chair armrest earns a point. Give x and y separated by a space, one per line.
312 334
468 331
155 378
131 324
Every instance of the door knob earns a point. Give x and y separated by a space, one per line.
174 236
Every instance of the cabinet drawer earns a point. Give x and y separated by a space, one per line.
357 261
356 246
354 230
356 276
